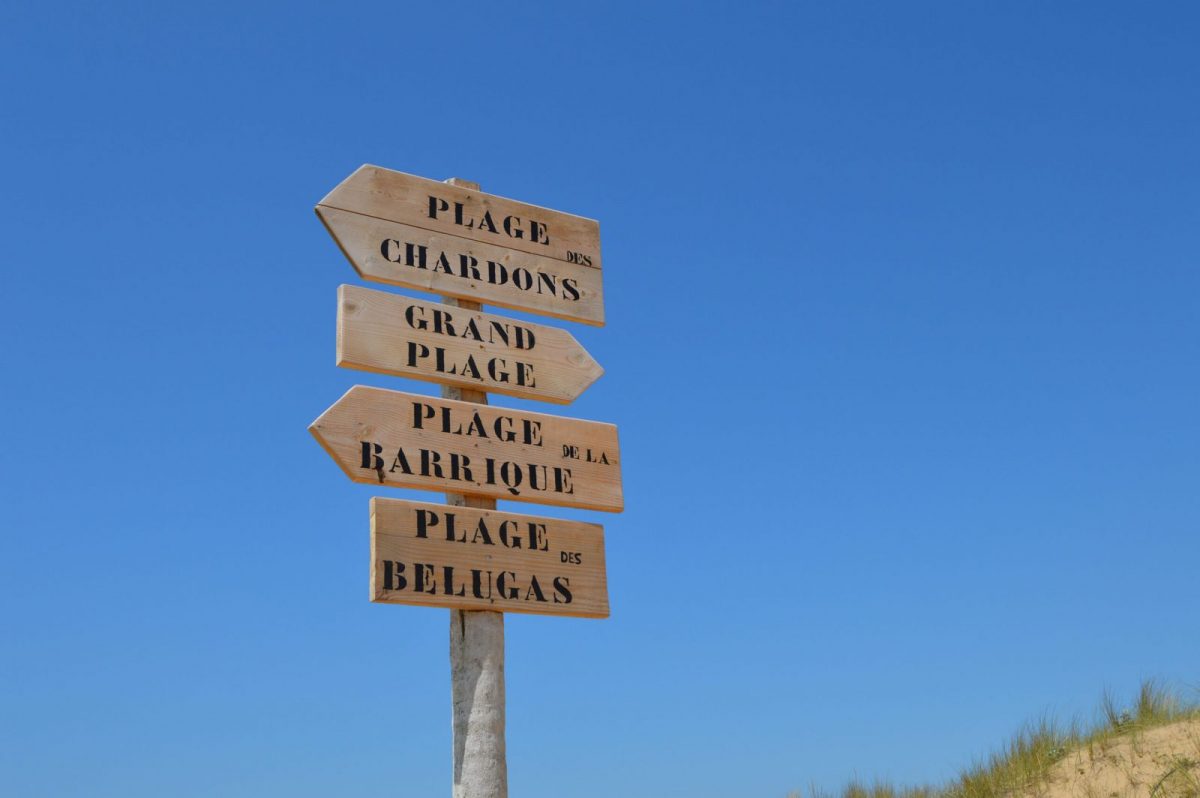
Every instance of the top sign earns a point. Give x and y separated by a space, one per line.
410 231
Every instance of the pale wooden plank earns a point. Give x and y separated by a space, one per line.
413 541
397 335
407 440
418 201
379 250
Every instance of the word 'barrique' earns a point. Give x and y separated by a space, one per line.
411 441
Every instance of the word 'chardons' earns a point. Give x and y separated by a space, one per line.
466 266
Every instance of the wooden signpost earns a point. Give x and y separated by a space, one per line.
410 441
409 231
441 556
471 247
405 337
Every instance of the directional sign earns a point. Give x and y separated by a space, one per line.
409 441
438 555
397 335
406 230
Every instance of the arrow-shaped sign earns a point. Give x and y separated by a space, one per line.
409 441
406 230
392 334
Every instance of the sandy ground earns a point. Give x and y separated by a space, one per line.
1160 763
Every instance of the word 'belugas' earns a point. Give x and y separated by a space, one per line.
484 559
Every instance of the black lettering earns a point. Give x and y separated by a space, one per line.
482 535
401 462
393 576
469 369
410 315
436 206
468 267
496 370
387 250
499 330
524 375
524 338
511 475
506 537
497 273
562 481
426 520
486 223
522 278
448 582
535 590
431 464
370 456
477 584
507 591
421 412
460 464
533 432
422 576
417 352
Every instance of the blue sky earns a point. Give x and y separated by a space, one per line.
902 341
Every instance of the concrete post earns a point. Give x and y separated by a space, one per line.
476 659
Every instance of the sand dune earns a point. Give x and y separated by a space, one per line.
1162 762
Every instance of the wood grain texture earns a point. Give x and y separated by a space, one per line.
470 213
406 440
390 252
389 334
497 561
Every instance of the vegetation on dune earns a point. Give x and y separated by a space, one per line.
1023 766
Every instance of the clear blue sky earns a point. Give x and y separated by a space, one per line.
903 341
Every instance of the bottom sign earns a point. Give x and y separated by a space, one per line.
439 555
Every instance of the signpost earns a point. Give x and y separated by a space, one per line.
452 239
392 334
410 441
441 556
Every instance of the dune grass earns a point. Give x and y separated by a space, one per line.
1025 761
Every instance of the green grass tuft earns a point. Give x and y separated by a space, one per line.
1026 761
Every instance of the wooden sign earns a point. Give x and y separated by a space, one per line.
438 555
418 233
409 441
392 334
